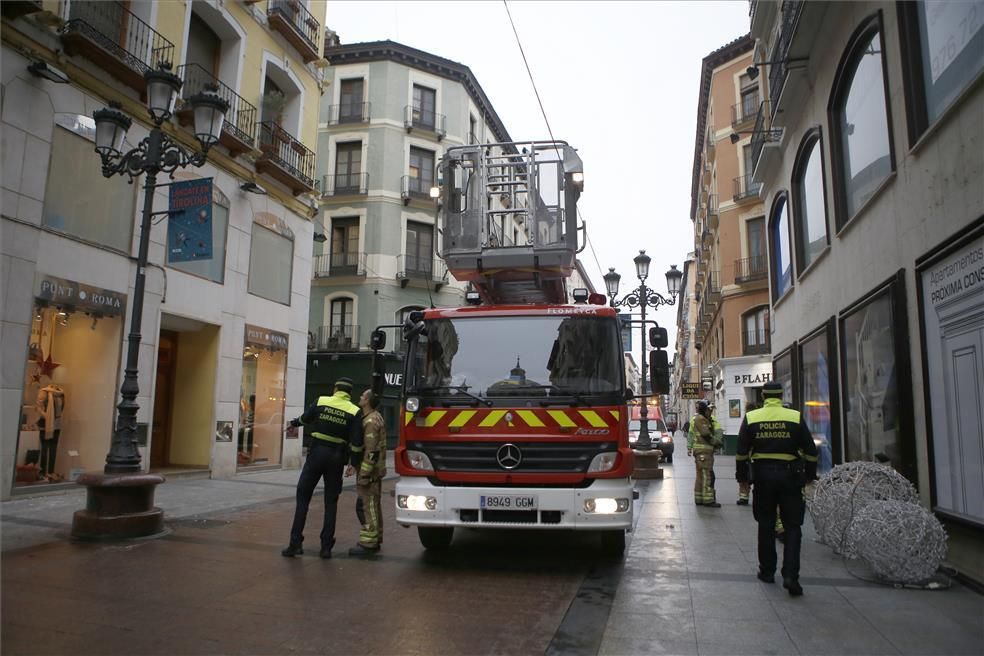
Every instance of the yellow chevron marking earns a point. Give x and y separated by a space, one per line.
492 419
531 419
462 418
435 416
615 413
409 416
594 419
561 418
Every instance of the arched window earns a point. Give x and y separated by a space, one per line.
809 202
780 252
859 121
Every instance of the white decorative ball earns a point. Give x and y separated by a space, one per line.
902 542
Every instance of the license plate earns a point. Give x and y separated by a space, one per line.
510 502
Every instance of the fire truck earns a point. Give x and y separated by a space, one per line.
513 407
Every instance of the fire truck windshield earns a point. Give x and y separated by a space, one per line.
536 356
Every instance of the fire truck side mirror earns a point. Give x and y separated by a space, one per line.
658 338
377 340
659 372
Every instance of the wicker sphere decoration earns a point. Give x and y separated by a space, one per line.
902 542
845 490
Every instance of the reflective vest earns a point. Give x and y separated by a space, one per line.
335 419
778 434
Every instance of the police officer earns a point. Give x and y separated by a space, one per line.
702 446
776 453
370 477
336 431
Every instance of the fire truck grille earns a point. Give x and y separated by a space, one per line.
532 457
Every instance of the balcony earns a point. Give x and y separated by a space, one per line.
744 112
330 265
239 128
345 184
749 269
414 188
712 290
755 342
16 8
349 113
113 38
297 25
788 19
763 133
335 338
414 117
745 188
285 159
709 146
428 269
712 212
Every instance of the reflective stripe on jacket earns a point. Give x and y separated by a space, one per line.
778 434
336 420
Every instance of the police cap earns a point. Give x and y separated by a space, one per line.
772 389
344 384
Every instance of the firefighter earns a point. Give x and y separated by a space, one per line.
370 477
336 431
702 447
776 453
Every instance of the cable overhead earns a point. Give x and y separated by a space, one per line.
528 71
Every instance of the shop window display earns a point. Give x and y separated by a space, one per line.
815 379
262 397
69 392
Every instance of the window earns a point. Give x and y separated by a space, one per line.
424 106
877 382
78 200
755 331
350 108
421 171
271 260
943 53
755 234
213 268
862 148
204 46
344 244
420 248
340 327
348 167
815 394
781 255
810 216
749 99
782 373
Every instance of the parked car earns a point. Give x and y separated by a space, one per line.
659 436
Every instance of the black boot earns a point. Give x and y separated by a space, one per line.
742 502
713 504
292 550
362 551
765 578
793 586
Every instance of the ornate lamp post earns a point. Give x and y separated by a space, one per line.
643 297
120 501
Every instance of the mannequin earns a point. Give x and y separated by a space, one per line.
50 406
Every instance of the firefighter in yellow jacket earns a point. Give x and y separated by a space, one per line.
370 477
702 447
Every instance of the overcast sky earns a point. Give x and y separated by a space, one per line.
618 81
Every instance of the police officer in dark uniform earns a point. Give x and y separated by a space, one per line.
335 427
777 455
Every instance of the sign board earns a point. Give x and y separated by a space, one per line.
690 390
68 293
189 228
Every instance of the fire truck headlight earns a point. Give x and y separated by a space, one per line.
416 502
419 460
605 506
603 462
413 404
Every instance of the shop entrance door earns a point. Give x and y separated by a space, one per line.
160 445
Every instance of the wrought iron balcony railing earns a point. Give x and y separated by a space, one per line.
345 184
285 158
746 188
743 112
420 267
349 113
298 26
336 338
712 211
110 35
339 264
763 133
240 120
755 342
414 187
415 117
751 268
712 289
789 17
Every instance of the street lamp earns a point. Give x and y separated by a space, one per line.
643 297
121 492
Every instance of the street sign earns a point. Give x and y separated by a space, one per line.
690 390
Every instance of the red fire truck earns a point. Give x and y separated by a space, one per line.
514 406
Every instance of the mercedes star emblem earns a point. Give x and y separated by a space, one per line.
509 456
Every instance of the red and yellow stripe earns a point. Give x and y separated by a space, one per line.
570 418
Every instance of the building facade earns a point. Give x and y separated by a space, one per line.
684 374
730 286
870 149
222 354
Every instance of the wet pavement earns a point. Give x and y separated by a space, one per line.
217 585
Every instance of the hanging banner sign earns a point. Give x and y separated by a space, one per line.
189 228
626 327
